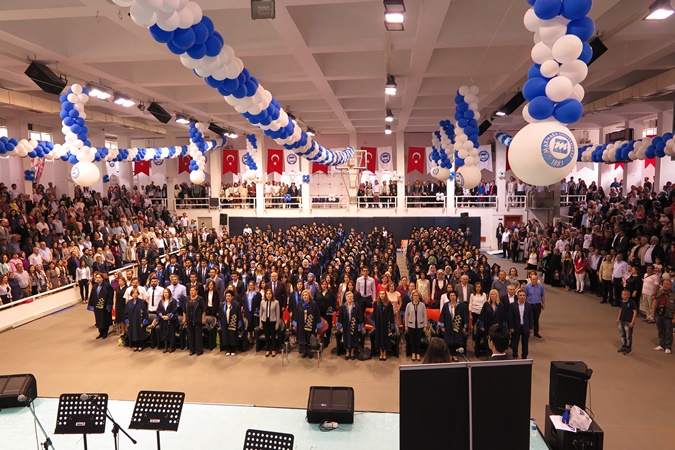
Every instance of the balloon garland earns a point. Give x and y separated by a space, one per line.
626 151
467 175
545 151
503 138
181 25
251 146
442 154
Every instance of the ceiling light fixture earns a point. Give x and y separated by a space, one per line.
124 100
500 113
394 15
390 86
99 92
660 10
233 135
387 129
182 119
389 117
141 106
310 131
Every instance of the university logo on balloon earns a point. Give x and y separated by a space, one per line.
292 159
385 158
459 179
557 149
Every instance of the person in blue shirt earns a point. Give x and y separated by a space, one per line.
537 298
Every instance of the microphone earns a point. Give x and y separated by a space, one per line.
461 352
85 397
23 399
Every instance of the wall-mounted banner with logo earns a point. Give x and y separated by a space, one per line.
429 160
385 160
485 158
291 162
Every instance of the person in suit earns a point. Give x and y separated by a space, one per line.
203 272
185 272
144 271
454 323
101 303
498 340
230 321
415 324
200 287
161 275
211 298
220 284
521 324
239 286
350 323
251 300
278 291
173 267
167 319
270 318
194 316
463 289
493 312
325 300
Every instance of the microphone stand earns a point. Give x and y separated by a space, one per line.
48 442
116 427
468 366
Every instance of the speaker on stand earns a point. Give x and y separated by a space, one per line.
223 220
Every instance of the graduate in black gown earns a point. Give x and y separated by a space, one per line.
101 302
454 322
167 318
350 322
136 318
120 304
230 321
251 303
325 300
194 316
305 322
493 312
383 323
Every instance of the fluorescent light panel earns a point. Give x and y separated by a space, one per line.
660 14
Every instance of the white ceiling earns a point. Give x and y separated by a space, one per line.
326 60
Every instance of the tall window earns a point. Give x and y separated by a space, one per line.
47 137
3 132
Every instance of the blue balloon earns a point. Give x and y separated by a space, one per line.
80 121
208 23
213 82
534 87
73 159
468 114
76 129
651 152
568 111
547 9
531 2
197 51
459 116
219 37
67 106
462 123
175 50
534 71
541 107
201 33
251 88
160 35
583 28
63 98
68 121
462 107
459 162
576 9
213 46
183 38
63 114
667 137
73 113
657 140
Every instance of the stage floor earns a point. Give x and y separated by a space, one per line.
207 425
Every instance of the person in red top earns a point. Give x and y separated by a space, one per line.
580 270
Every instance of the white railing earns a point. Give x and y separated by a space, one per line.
567 200
330 201
192 203
283 202
476 201
516 201
383 201
237 202
424 201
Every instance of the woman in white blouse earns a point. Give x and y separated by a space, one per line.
83 277
476 302
424 287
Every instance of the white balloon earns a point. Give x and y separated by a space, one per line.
197 176
464 90
189 62
73 98
76 88
83 98
474 90
89 157
250 174
462 153
567 48
181 4
467 177
220 73
476 115
531 21
196 11
78 143
169 5
559 89
227 54
440 173
155 5
168 21
211 63
543 153
202 72
468 145
469 161
536 37
85 174
552 30
186 18
576 71
124 3
550 68
541 53
473 107
142 14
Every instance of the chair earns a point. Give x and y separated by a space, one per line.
259 337
210 332
323 327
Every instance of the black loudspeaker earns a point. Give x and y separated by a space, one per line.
47 80
568 385
330 404
223 219
599 49
592 439
11 386
464 220
214 203
159 113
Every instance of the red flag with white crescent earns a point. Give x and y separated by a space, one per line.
319 168
370 157
230 161
275 161
184 164
416 159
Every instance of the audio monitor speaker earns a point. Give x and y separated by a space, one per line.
47 80
158 112
223 220
568 385
330 404
11 386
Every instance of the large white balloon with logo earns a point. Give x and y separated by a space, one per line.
543 153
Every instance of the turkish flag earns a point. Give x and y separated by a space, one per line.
508 166
319 168
184 164
142 167
230 161
371 158
622 165
275 161
416 159
650 162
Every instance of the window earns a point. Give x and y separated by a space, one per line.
3 132
47 137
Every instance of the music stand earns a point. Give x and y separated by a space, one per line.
78 416
156 410
268 440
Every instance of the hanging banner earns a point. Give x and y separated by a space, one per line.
319 168
291 162
370 157
38 166
620 165
385 160
650 162
231 161
416 157
485 158
142 167
275 161
184 164
430 164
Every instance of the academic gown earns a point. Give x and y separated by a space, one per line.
101 304
307 318
350 326
167 328
489 316
252 312
383 321
229 329
454 325
120 306
136 316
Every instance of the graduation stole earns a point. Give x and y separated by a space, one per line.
232 325
100 302
456 322
352 325
309 322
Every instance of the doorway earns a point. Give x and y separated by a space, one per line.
512 221
206 221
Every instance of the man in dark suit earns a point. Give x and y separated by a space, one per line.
144 271
521 324
173 267
194 282
621 243
463 289
239 286
278 290
186 271
498 341
203 271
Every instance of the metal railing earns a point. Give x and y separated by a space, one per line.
237 202
476 201
516 201
383 201
192 203
567 200
424 201
283 202
330 201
